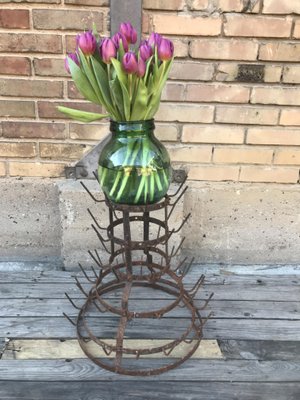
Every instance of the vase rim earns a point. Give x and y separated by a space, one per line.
131 126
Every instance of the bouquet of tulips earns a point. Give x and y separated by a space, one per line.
127 82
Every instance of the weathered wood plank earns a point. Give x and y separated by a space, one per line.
56 328
223 277
221 292
144 390
192 370
263 350
57 349
220 309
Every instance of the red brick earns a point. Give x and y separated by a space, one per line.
173 92
49 67
242 155
190 154
276 95
192 70
18 129
269 174
247 115
185 112
274 136
287 157
163 4
253 26
29 42
224 49
212 134
15 66
47 109
14 108
67 19
24 150
99 3
290 117
73 93
186 25
28 88
32 1
281 7
276 51
296 33
14 19
204 92
214 173
63 151
49 170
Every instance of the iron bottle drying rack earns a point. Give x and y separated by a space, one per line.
117 303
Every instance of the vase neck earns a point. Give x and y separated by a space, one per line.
132 128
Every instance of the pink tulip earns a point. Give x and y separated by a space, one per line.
72 56
129 63
141 68
116 39
154 39
108 50
129 32
145 51
165 50
87 43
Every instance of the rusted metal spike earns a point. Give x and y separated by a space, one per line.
102 240
99 259
94 219
179 188
188 267
93 269
92 196
180 264
85 274
99 308
158 231
72 302
197 285
176 201
178 248
182 223
169 351
95 259
107 352
96 176
206 303
78 284
69 319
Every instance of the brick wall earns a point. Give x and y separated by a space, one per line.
229 112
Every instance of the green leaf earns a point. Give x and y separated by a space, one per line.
102 81
87 68
116 93
139 107
82 83
83 116
122 77
148 64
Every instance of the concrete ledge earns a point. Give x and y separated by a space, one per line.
46 220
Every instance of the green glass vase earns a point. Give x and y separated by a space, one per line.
134 166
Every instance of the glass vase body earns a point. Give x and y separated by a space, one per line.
134 166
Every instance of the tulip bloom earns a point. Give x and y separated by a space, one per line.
108 50
129 63
116 39
72 56
145 51
154 39
141 68
165 50
129 32
87 43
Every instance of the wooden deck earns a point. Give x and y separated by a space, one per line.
250 351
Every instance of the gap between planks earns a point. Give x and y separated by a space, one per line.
70 349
